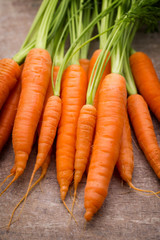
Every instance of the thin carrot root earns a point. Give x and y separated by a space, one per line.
69 212
22 199
74 200
143 190
28 190
13 180
10 175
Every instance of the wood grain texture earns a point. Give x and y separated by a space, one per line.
124 214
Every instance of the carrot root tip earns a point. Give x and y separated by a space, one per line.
63 192
88 215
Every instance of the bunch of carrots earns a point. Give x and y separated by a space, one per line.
46 91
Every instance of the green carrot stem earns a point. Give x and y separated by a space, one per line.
132 51
89 40
45 25
104 24
87 18
20 56
70 50
35 23
50 48
96 12
130 84
58 18
116 56
29 42
58 52
54 26
76 26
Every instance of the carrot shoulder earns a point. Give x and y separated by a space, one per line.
110 120
73 94
143 128
9 74
146 80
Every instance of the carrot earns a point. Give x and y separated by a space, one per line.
8 113
146 80
143 127
84 139
9 74
110 120
125 163
50 120
73 93
84 62
107 70
38 69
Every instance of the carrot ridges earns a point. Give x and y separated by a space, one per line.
144 131
109 127
9 74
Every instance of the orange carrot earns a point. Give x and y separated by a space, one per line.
143 127
9 74
110 120
146 80
84 62
50 120
8 113
84 139
35 79
125 163
73 93
107 70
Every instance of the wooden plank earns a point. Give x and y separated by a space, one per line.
124 215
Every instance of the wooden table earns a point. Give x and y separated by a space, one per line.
125 214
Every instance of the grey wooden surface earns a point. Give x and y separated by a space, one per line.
125 214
